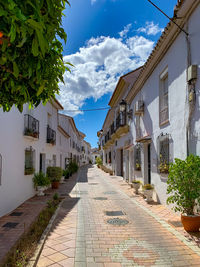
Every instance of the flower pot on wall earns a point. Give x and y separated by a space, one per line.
191 223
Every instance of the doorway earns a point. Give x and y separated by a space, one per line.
42 163
149 163
121 163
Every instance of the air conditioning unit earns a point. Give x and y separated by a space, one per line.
139 107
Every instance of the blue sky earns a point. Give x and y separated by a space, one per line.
106 39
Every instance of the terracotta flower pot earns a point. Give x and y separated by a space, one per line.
191 223
55 185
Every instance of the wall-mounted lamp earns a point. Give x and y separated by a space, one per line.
122 105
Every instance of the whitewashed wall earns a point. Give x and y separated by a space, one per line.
16 187
176 61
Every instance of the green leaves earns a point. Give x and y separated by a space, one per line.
31 63
184 184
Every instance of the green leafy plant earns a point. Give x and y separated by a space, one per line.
99 161
40 179
147 187
184 184
31 62
55 196
72 167
136 182
54 173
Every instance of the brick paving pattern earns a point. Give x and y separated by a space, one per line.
81 235
30 209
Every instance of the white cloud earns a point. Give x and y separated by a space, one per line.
125 30
93 1
98 66
150 28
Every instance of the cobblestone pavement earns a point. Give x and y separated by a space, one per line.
81 235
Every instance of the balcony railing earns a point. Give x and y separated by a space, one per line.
112 128
121 119
51 136
31 126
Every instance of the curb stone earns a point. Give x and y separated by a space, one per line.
33 261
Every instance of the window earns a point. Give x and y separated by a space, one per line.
106 158
60 160
163 153
54 160
49 120
0 168
137 154
163 99
29 161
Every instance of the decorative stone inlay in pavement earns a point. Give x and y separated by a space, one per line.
117 221
114 213
100 198
93 183
110 193
134 252
10 225
15 213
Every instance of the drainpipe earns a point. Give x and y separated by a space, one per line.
191 94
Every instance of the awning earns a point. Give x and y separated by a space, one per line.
144 139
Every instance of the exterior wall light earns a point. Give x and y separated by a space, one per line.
122 105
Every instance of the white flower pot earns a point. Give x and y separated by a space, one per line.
62 179
136 186
40 190
148 194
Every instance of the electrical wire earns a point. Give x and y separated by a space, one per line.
84 110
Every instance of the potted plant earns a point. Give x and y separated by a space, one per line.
54 174
136 185
184 189
148 192
41 181
99 161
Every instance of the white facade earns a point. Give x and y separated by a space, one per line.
52 149
15 186
169 63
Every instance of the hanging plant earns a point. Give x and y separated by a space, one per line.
31 62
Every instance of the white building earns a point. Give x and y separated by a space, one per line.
27 145
165 101
30 142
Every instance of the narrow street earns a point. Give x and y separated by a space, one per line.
82 234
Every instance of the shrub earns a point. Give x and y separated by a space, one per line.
40 179
148 187
54 173
55 196
184 184
66 173
136 182
99 161
73 167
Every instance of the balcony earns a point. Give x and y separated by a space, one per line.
51 136
31 126
112 128
121 125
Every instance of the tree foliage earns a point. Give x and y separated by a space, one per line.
184 184
31 62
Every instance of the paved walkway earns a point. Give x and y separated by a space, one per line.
22 217
81 235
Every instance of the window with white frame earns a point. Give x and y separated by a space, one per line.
163 98
29 161
0 168
54 160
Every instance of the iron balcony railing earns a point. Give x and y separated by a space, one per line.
112 128
31 126
51 136
121 119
